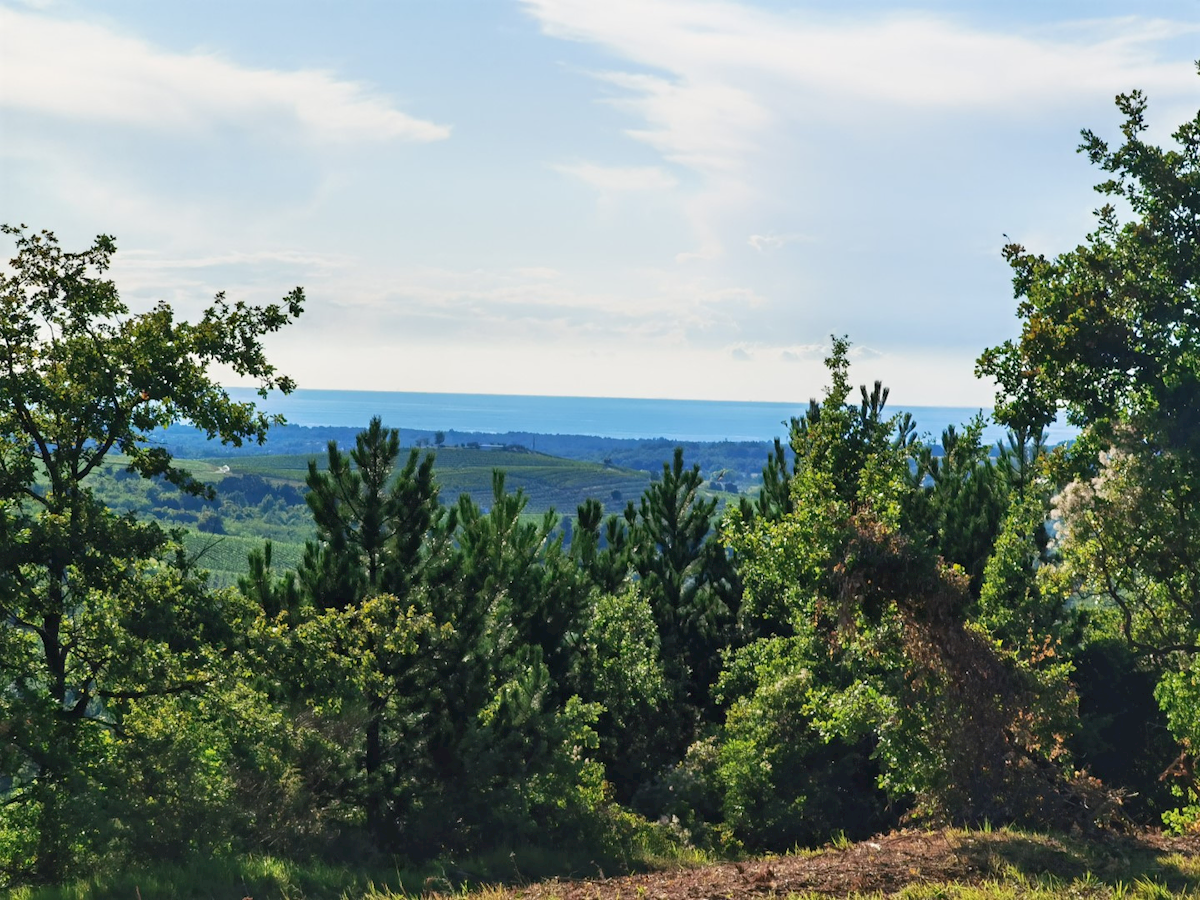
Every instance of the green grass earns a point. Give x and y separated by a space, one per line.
259 877
1010 865
1030 866
263 877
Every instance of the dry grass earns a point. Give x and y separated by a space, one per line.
912 865
915 866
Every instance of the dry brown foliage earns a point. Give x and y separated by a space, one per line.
1000 761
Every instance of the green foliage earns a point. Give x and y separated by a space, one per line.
605 555
1124 738
451 638
100 618
687 577
509 751
1109 331
1178 693
357 582
620 668
82 377
962 501
1014 605
782 782
883 630
1108 328
965 728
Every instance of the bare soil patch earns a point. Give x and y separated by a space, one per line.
889 863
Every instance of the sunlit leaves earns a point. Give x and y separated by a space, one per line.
99 614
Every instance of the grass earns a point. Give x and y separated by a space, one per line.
258 877
1004 864
632 845
1019 888
270 878
1033 866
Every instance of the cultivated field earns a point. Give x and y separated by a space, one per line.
261 497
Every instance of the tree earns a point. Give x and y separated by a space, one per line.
774 499
961 499
881 647
1111 332
494 748
452 638
95 615
1110 328
620 669
603 555
376 527
687 577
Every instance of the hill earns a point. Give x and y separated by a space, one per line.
261 497
741 460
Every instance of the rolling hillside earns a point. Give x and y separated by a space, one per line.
262 497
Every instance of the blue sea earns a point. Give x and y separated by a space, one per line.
678 420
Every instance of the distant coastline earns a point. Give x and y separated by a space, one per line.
707 421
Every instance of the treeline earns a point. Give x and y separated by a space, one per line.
263 496
439 680
742 459
882 635
246 504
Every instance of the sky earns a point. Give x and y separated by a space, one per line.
630 198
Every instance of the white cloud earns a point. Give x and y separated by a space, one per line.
804 353
861 352
908 59
358 301
731 91
765 243
540 273
620 178
372 299
152 262
703 122
663 304
81 71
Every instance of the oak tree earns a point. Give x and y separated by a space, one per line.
96 613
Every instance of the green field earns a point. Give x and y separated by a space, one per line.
261 498
550 482
224 555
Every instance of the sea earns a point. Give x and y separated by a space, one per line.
614 417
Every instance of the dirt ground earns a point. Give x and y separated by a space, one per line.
887 864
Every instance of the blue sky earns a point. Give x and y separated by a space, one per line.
650 198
